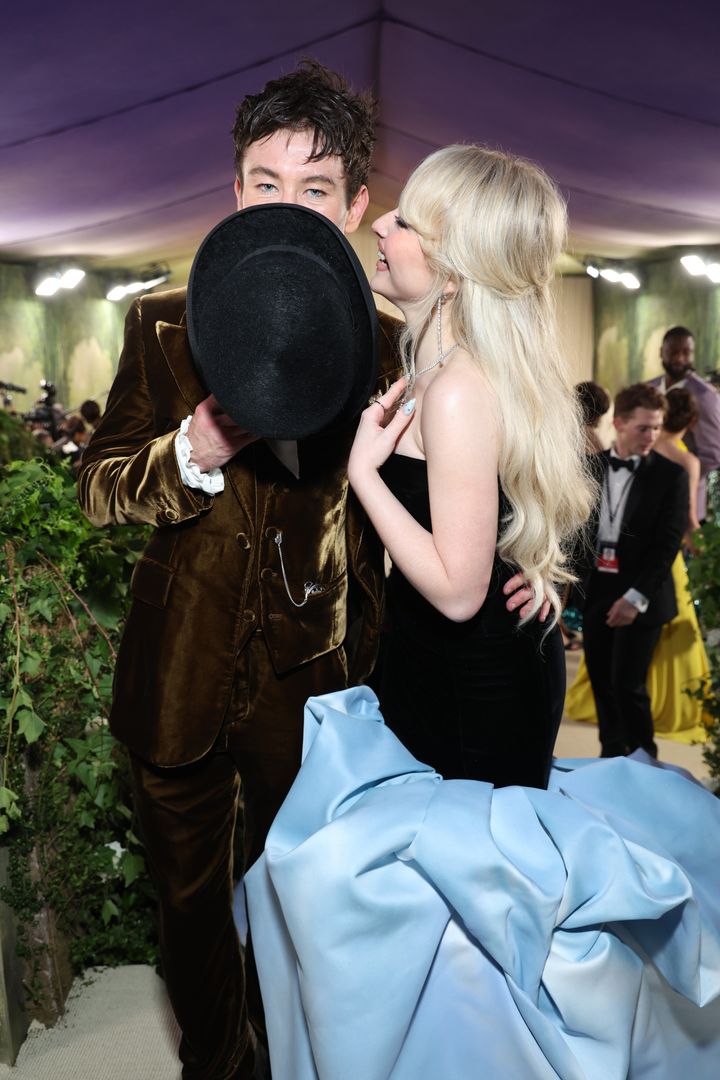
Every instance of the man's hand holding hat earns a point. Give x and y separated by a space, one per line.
214 437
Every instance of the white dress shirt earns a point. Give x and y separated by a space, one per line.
615 492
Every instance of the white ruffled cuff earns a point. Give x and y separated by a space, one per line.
637 599
211 482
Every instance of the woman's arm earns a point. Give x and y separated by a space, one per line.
692 464
451 565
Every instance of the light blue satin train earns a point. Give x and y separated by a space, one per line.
412 928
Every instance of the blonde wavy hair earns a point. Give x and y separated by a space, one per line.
494 225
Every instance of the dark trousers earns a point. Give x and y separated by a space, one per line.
617 662
187 819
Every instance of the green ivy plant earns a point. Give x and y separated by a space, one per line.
704 575
65 806
16 442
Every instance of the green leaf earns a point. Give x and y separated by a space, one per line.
22 701
110 910
86 776
107 610
5 612
132 867
42 605
80 746
30 663
102 796
59 754
93 664
29 725
8 802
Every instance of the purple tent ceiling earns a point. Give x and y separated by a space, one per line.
114 130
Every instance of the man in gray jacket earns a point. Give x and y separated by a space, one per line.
677 354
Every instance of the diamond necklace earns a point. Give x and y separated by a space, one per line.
442 356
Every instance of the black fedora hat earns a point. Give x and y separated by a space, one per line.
281 321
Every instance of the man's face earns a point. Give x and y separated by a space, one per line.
677 355
277 169
637 433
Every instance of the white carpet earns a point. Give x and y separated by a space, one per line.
118 1025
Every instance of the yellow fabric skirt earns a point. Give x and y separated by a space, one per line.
679 664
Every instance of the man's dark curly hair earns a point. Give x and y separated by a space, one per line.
639 396
312 98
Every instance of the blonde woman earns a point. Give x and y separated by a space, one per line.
480 471
408 927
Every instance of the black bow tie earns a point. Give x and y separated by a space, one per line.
622 463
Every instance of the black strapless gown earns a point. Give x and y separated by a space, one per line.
479 700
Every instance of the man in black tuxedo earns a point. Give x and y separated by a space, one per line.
637 528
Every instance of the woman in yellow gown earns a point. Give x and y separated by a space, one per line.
679 662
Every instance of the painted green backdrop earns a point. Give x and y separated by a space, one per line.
629 326
73 338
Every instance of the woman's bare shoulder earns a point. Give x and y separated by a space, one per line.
459 409
459 390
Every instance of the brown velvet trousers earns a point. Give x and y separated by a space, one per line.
187 819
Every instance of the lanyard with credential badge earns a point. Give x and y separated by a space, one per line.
607 558
612 514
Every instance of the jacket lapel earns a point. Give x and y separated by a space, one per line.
637 490
176 350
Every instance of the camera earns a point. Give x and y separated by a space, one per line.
44 414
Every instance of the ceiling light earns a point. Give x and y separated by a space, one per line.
48 286
693 264
610 275
592 271
65 279
116 293
148 279
630 281
72 277
713 272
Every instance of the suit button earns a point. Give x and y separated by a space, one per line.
168 516
249 616
243 540
266 573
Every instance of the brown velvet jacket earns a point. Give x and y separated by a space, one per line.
211 574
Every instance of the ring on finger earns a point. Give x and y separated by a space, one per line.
375 400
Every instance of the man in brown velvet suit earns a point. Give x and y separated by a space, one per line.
216 662
220 653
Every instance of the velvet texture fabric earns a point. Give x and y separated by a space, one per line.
216 661
211 573
187 820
